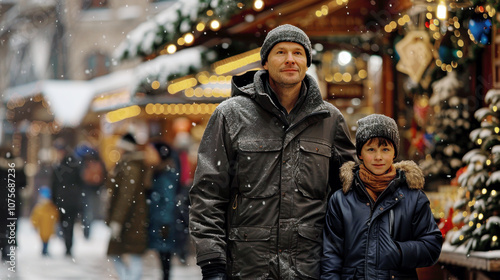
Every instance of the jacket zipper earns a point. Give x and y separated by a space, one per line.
391 223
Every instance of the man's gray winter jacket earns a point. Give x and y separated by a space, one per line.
261 186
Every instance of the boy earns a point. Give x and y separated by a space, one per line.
380 225
44 217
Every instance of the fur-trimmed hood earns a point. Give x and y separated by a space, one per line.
413 173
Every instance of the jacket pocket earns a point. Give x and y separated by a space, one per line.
314 164
348 273
309 249
389 256
259 167
249 252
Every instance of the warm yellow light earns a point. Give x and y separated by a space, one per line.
188 38
210 13
318 13
479 141
388 28
478 225
488 162
155 85
497 129
258 5
471 223
200 26
123 113
346 77
337 77
441 12
481 216
182 85
495 108
494 238
324 10
215 25
362 74
461 237
493 193
171 49
180 41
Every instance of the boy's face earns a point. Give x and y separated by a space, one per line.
377 157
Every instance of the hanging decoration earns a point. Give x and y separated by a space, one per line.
480 29
416 52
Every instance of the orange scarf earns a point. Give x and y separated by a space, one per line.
376 184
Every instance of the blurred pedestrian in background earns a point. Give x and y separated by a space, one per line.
162 208
93 173
127 216
66 190
44 217
12 181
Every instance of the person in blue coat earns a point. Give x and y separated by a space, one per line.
379 225
162 207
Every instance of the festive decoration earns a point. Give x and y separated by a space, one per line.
479 207
179 26
480 29
416 52
446 126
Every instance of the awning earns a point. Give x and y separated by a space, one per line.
68 100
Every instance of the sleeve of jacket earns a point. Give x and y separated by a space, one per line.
333 240
210 193
425 249
343 150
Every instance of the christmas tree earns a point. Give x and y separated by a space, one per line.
478 209
445 130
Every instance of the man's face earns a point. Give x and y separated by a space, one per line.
286 64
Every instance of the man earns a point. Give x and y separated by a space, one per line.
267 163
66 190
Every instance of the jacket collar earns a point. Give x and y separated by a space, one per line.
251 84
413 173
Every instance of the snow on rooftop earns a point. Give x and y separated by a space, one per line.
147 34
163 66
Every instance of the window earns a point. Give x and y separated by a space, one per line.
98 64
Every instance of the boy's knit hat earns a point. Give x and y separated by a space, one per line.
377 125
285 33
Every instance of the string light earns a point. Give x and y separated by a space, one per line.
441 12
258 5
215 25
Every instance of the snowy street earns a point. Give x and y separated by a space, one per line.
89 260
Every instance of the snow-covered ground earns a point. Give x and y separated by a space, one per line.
89 260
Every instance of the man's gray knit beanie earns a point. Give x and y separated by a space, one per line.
285 33
377 125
